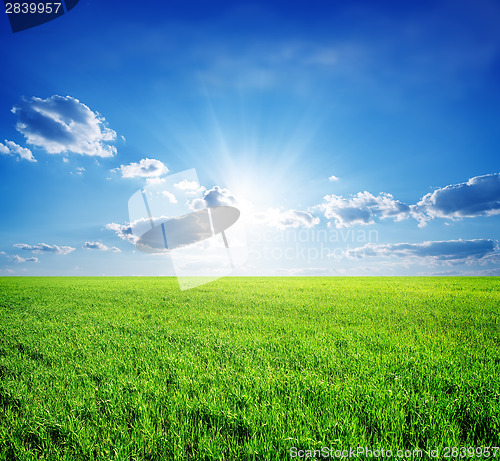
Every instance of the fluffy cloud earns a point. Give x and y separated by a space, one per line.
11 148
63 124
362 208
479 196
100 246
126 231
123 231
189 187
447 251
293 219
44 248
171 197
18 259
154 180
333 178
217 196
146 168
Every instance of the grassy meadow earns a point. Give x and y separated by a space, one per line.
245 368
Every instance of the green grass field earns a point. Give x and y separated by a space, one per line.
246 368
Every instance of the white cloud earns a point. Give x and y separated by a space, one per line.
171 197
189 186
146 168
293 219
62 124
311 271
333 178
362 208
446 251
95 246
100 246
124 231
493 272
18 259
11 148
155 180
217 196
479 196
44 248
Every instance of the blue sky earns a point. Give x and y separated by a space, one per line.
359 138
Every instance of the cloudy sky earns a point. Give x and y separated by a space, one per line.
356 138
